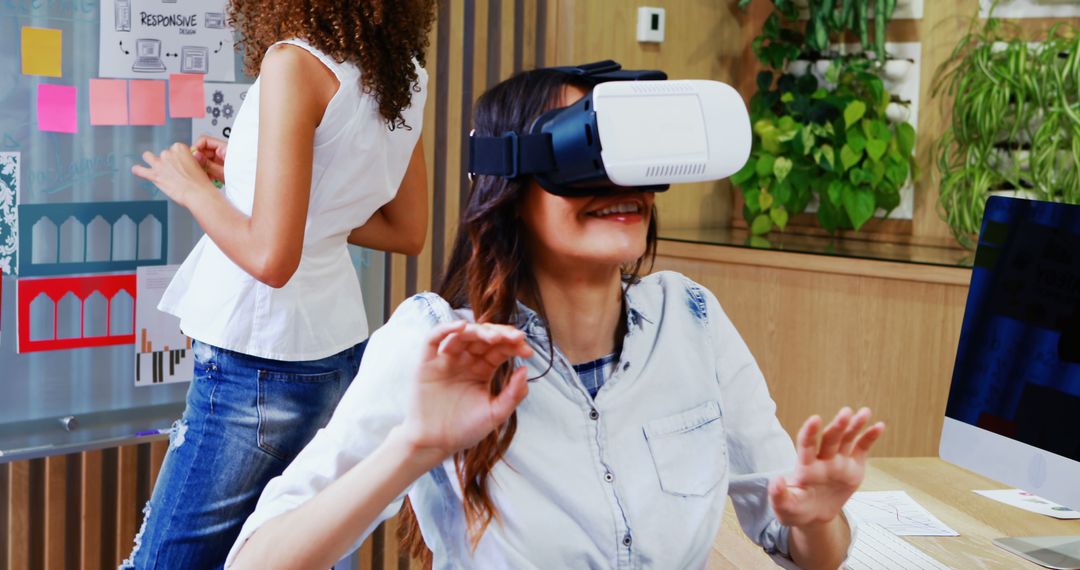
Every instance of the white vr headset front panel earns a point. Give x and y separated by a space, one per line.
670 132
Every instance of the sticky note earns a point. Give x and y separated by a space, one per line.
186 96
147 102
41 51
108 102
56 109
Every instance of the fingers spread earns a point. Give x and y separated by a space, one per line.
143 172
831 437
808 440
438 335
867 439
858 422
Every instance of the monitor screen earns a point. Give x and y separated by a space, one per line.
1017 371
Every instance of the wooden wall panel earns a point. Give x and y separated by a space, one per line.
825 339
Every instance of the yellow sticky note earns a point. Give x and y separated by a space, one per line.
41 52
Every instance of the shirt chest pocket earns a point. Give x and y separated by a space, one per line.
689 450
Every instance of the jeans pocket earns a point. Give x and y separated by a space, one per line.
292 407
689 450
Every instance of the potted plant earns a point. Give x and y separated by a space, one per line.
836 147
1015 123
832 137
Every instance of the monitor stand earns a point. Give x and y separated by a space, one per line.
1057 552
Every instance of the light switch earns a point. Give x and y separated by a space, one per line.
650 24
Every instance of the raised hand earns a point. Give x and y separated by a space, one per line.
830 469
451 405
210 153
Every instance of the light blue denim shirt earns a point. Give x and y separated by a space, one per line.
635 478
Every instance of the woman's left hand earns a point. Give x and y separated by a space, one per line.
829 471
176 172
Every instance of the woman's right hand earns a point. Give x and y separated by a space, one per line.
451 406
210 152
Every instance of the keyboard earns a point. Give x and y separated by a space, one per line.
878 549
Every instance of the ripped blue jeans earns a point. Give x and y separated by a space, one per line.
245 421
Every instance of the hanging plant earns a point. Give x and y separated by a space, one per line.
1015 121
835 136
836 145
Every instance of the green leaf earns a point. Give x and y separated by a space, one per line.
764 166
807 141
859 176
877 170
781 192
761 225
764 200
835 192
787 97
875 149
856 140
752 197
880 131
779 217
859 205
828 216
745 174
825 157
781 168
853 112
905 137
849 157
819 94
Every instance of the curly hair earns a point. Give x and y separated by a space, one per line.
381 37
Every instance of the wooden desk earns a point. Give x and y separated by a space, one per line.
946 491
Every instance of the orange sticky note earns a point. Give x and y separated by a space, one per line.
186 100
41 51
108 102
147 105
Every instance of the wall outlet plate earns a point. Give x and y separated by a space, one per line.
650 24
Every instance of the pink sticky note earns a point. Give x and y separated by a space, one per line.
56 108
147 102
108 102
186 96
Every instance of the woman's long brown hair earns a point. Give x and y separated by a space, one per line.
489 271
381 37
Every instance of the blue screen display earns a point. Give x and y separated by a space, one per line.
1017 369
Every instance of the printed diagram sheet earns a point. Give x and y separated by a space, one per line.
151 39
223 102
162 353
898 513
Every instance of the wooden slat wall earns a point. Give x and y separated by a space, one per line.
83 510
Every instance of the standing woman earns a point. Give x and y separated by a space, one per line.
325 151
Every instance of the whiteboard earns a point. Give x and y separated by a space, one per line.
94 385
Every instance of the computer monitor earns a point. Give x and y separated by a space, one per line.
1014 406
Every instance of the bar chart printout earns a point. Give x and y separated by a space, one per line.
162 353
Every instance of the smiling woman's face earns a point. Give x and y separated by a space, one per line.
608 230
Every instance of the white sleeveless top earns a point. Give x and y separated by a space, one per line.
358 166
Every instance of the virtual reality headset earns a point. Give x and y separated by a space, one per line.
634 130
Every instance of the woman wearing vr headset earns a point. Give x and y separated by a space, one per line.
645 409
324 152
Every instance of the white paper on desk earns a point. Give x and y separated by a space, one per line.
1032 503
897 512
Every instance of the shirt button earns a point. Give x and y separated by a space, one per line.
609 476
626 366
627 541
593 414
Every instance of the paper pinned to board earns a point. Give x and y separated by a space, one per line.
222 102
151 39
9 212
898 513
162 353
57 109
147 102
186 96
41 51
108 102
1031 503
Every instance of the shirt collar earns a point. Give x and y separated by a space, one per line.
637 314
